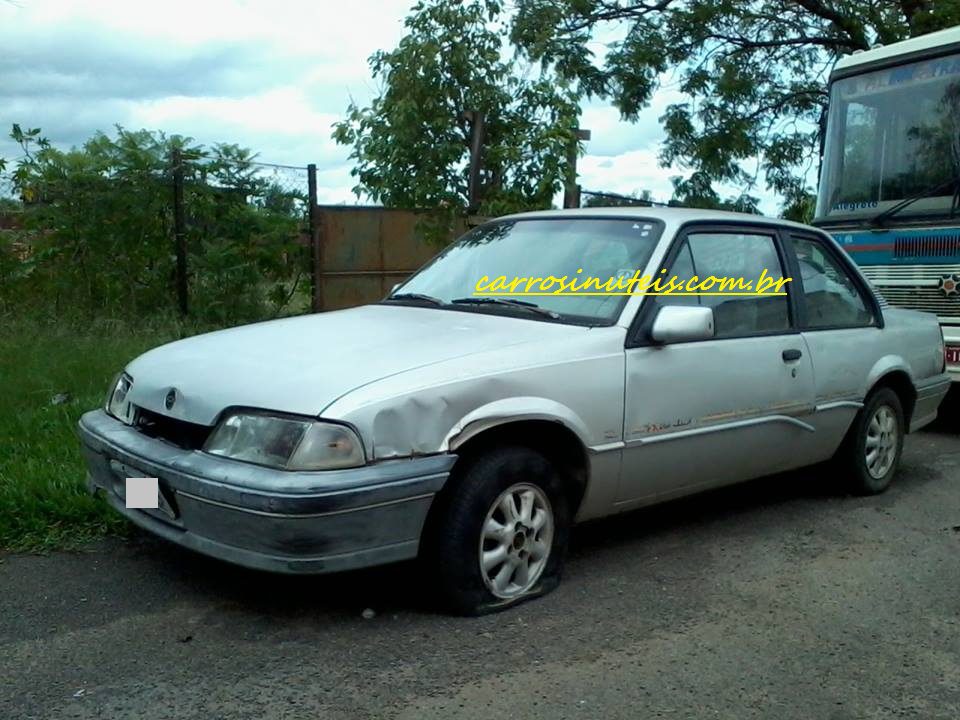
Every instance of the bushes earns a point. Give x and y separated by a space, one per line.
95 231
87 268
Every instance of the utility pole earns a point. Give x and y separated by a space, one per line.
477 126
571 190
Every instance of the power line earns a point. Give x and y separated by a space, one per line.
641 202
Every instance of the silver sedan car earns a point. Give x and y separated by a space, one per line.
472 428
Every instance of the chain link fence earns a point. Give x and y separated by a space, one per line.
214 235
289 191
269 256
7 187
10 206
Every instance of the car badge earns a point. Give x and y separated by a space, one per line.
171 399
949 285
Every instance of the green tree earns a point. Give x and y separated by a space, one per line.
97 229
411 146
753 72
697 191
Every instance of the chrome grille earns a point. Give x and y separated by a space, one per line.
179 432
915 287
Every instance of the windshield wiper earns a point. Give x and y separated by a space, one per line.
952 184
509 302
418 297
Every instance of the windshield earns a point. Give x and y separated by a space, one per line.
540 248
892 134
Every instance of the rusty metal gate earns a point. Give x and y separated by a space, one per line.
362 252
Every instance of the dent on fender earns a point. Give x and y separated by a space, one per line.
514 410
412 426
432 422
418 423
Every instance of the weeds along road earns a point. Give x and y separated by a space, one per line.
776 599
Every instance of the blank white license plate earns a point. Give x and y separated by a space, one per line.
142 493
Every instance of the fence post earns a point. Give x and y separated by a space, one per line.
316 252
180 232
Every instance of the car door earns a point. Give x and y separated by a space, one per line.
705 413
840 323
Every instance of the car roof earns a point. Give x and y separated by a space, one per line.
671 216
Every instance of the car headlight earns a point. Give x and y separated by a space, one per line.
117 404
286 443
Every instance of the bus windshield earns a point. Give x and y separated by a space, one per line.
893 134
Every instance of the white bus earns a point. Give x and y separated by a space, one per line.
890 175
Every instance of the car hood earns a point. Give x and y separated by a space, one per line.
301 365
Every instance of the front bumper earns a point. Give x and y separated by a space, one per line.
291 522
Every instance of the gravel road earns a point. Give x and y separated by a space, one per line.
776 599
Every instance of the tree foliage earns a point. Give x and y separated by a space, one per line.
411 144
697 191
753 72
96 228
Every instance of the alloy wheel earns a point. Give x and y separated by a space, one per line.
515 540
882 442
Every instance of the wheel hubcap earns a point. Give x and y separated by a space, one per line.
880 450
515 540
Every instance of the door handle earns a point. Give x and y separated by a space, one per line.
792 355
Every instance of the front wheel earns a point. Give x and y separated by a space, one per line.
870 454
516 540
500 534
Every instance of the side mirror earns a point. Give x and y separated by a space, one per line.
394 288
679 323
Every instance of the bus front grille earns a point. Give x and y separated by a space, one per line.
916 287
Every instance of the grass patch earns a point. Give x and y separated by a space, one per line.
43 498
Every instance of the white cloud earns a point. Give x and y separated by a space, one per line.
273 76
612 136
629 172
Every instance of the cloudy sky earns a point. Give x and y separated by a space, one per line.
272 76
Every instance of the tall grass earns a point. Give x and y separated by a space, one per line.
43 500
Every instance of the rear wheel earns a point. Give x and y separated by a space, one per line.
870 454
500 532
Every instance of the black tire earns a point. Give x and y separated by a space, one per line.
851 458
452 543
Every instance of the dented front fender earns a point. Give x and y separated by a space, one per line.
435 409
